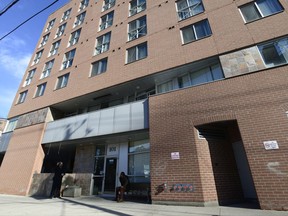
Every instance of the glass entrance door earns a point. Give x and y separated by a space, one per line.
110 175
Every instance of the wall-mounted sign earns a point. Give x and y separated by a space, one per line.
175 155
112 149
272 144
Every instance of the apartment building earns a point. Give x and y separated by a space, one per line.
188 97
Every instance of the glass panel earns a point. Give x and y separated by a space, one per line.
188 34
99 166
165 87
268 7
201 76
184 81
202 29
139 146
98 182
142 51
217 72
250 12
139 165
100 150
272 54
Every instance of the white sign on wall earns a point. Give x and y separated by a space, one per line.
112 149
175 156
272 144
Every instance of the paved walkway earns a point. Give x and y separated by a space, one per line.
87 206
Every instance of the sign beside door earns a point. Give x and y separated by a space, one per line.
112 149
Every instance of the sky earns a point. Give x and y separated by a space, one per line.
16 49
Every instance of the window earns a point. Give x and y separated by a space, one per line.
103 43
44 40
196 31
74 37
47 69
275 52
29 77
83 4
137 52
137 28
80 19
108 4
54 48
200 76
62 81
66 15
61 30
259 9
40 90
139 161
22 97
37 57
136 6
106 21
68 59
188 8
50 25
11 125
99 67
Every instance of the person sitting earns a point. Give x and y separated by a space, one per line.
124 180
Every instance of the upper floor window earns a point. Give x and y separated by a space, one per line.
137 28
12 123
80 19
22 97
50 25
99 67
29 77
259 9
68 59
47 69
44 40
108 4
137 52
40 90
74 37
66 15
196 31
106 21
103 43
62 81
61 30
275 52
136 6
83 4
37 57
188 8
54 48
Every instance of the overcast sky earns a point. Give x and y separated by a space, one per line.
17 48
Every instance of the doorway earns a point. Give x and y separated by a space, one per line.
110 175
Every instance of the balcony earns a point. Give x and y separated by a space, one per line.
118 119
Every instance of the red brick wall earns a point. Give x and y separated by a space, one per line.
257 101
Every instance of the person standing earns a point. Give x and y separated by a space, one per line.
57 180
124 180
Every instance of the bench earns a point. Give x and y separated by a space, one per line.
139 191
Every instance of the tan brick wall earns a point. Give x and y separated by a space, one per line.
23 158
257 101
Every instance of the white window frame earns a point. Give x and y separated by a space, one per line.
54 48
79 19
62 81
60 30
106 21
50 24
68 59
74 38
11 125
98 67
83 4
258 10
40 90
189 10
140 5
47 69
29 77
196 34
44 40
139 31
66 15
103 43
37 57
22 97
107 4
137 53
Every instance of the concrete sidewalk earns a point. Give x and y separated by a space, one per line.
87 206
